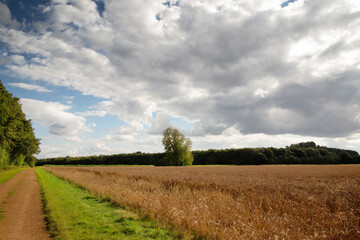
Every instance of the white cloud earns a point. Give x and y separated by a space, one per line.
49 151
98 113
118 138
62 150
132 111
30 87
131 129
54 116
79 12
74 139
100 147
125 133
159 124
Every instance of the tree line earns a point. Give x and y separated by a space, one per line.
17 140
301 153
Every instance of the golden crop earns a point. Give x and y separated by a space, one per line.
235 202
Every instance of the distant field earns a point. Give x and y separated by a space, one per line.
235 202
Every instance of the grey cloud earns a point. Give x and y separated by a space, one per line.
58 129
5 15
324 109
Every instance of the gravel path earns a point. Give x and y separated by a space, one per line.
20 208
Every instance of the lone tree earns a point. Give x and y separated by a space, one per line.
177 148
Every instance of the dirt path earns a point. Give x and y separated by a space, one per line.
20 208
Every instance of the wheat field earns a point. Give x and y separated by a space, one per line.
235 202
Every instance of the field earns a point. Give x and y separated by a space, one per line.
75 214
235 202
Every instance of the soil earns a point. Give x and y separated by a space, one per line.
20 208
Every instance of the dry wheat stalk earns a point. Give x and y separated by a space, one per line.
245 202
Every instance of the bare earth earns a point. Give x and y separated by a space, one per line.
21 202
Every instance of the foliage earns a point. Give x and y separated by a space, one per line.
268 152
137 158
16 133
177 149
19 159
4 158
261 159
304 145
242 156
30 160
356 159
345 157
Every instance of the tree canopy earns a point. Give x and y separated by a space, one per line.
17 140
233 156
177 148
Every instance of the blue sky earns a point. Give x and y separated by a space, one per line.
286 3
104 77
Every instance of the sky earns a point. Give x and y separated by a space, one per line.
108 76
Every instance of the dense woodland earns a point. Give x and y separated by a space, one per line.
17 140
302 153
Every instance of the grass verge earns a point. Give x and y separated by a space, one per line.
2 214
95 165
73 213
5 175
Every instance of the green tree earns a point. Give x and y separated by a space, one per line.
261 159
345 157
30 160
17 137
4 158
177 148
356 159
269 153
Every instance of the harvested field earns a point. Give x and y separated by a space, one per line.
235 202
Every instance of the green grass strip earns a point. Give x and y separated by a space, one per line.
2 214
73 213
5 175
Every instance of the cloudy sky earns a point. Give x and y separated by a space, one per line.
104 77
